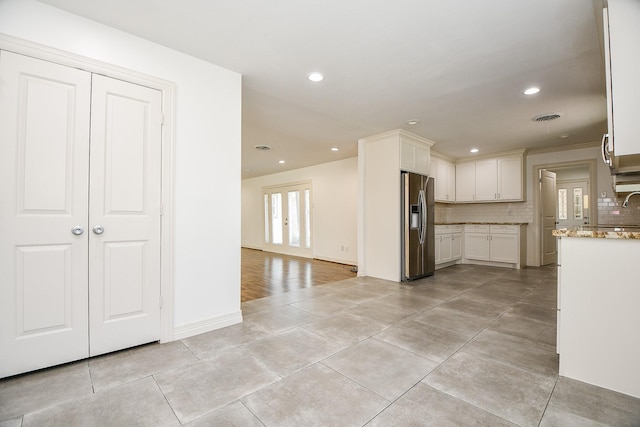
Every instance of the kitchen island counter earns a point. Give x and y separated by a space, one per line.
481 223
598 316
600 233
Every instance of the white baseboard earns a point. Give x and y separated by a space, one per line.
258 248
207 325
336 260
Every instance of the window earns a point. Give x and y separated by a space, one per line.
562 203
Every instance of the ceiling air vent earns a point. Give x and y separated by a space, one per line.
546 117
263 147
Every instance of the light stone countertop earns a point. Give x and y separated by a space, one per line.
482 223
600 233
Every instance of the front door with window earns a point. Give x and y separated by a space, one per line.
573 204
287 219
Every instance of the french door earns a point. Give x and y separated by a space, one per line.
287 219
80 160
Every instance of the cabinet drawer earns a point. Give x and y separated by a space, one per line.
476 228
511 229
447 229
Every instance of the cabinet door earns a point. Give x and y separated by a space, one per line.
504 248
445 248
422 157
407 156
510 178
450 174
436 247
476 246
486 180
446 180
465 182
624 37
439 171
456 246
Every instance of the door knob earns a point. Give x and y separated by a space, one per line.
98 229
77 230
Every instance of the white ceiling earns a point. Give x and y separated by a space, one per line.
458 66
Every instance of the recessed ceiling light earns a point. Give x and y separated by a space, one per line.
335 149
563 135
413 122
280 161
474 150
315 77
531 91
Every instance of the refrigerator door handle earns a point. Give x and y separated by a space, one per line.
422 201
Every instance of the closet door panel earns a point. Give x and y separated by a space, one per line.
44 130
125 205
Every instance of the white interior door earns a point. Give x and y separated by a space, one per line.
549 243
124 215
44 151
70 290
287 219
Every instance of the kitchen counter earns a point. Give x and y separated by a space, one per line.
482 223
601 232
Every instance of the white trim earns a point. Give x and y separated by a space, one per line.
345 262
207 325
168 89
257 248
362 243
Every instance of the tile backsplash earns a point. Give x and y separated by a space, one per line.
484 212
610 212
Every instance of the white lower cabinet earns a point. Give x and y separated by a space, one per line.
494 244
448 245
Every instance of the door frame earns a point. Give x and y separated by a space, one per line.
168 90
537 204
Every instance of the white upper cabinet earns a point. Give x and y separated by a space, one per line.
444 173
414 156
510 173
497 179
623 71
486 180
466 182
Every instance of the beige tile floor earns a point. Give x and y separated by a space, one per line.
470 346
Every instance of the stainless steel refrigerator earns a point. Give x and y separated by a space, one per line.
418 257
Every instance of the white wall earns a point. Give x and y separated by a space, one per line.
207 140
335 206
379 216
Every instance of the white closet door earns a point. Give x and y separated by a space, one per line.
44 148
124 215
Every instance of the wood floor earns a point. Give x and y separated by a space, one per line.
266 273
